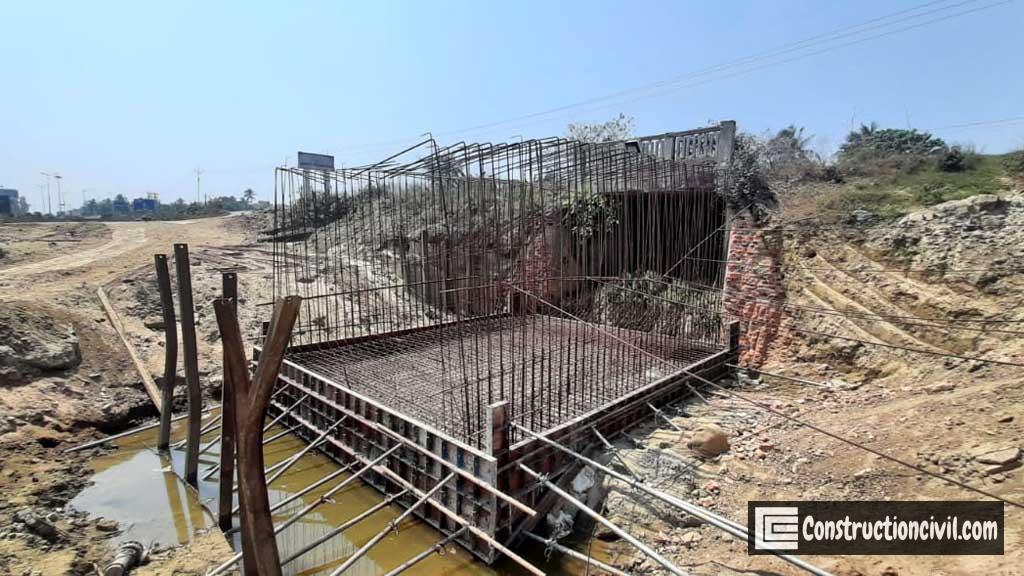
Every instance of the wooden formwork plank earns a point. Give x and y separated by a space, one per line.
147 379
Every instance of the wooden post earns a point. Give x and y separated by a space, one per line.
226 499
497 422
191 360
259 547
163 280
734 337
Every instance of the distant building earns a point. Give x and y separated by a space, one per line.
8 201
120 205
144 205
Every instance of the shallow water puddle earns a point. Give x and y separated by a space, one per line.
134 485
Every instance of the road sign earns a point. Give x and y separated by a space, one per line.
316 161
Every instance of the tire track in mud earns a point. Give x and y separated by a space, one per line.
122 241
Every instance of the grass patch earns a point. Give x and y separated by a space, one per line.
894 192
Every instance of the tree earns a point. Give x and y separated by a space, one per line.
248 195
614 130
23 205
873 141
789 145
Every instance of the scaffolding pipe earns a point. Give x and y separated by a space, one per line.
213 424
300 493
213 469
305 451
615 454
291 461
348 524
663 417
451 467
286 411
648 551
309 508
552 543
443 509
142 428
206 428
426 553
391 527
706 515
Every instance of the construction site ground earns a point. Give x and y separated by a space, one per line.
936 412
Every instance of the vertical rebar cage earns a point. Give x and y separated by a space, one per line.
552 274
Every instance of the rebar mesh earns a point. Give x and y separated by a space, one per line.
532 272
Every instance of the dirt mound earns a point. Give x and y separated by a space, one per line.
33 343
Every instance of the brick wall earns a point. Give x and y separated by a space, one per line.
755 290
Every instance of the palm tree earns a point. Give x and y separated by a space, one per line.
248 195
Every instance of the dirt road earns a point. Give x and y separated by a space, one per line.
50 273
64 268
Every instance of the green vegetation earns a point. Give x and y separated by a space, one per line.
891 172
588 212
871 142
1014 163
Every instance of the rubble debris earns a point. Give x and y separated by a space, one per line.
37 524
33 343
1002 457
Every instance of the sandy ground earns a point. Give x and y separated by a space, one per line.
54 270
935 412
930 411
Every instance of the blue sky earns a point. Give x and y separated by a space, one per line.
132 97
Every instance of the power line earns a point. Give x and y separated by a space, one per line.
784 304
763 406
909 349
673 83
775 63
1013 120
930 269
825 334
785 48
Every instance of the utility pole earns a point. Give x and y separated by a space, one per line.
49 204
60 197
199 173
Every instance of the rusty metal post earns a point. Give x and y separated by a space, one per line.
259 546
226 500
163 280
191 360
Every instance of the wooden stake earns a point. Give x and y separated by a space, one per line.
251 400
309 508
163 280
226 496
191 360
